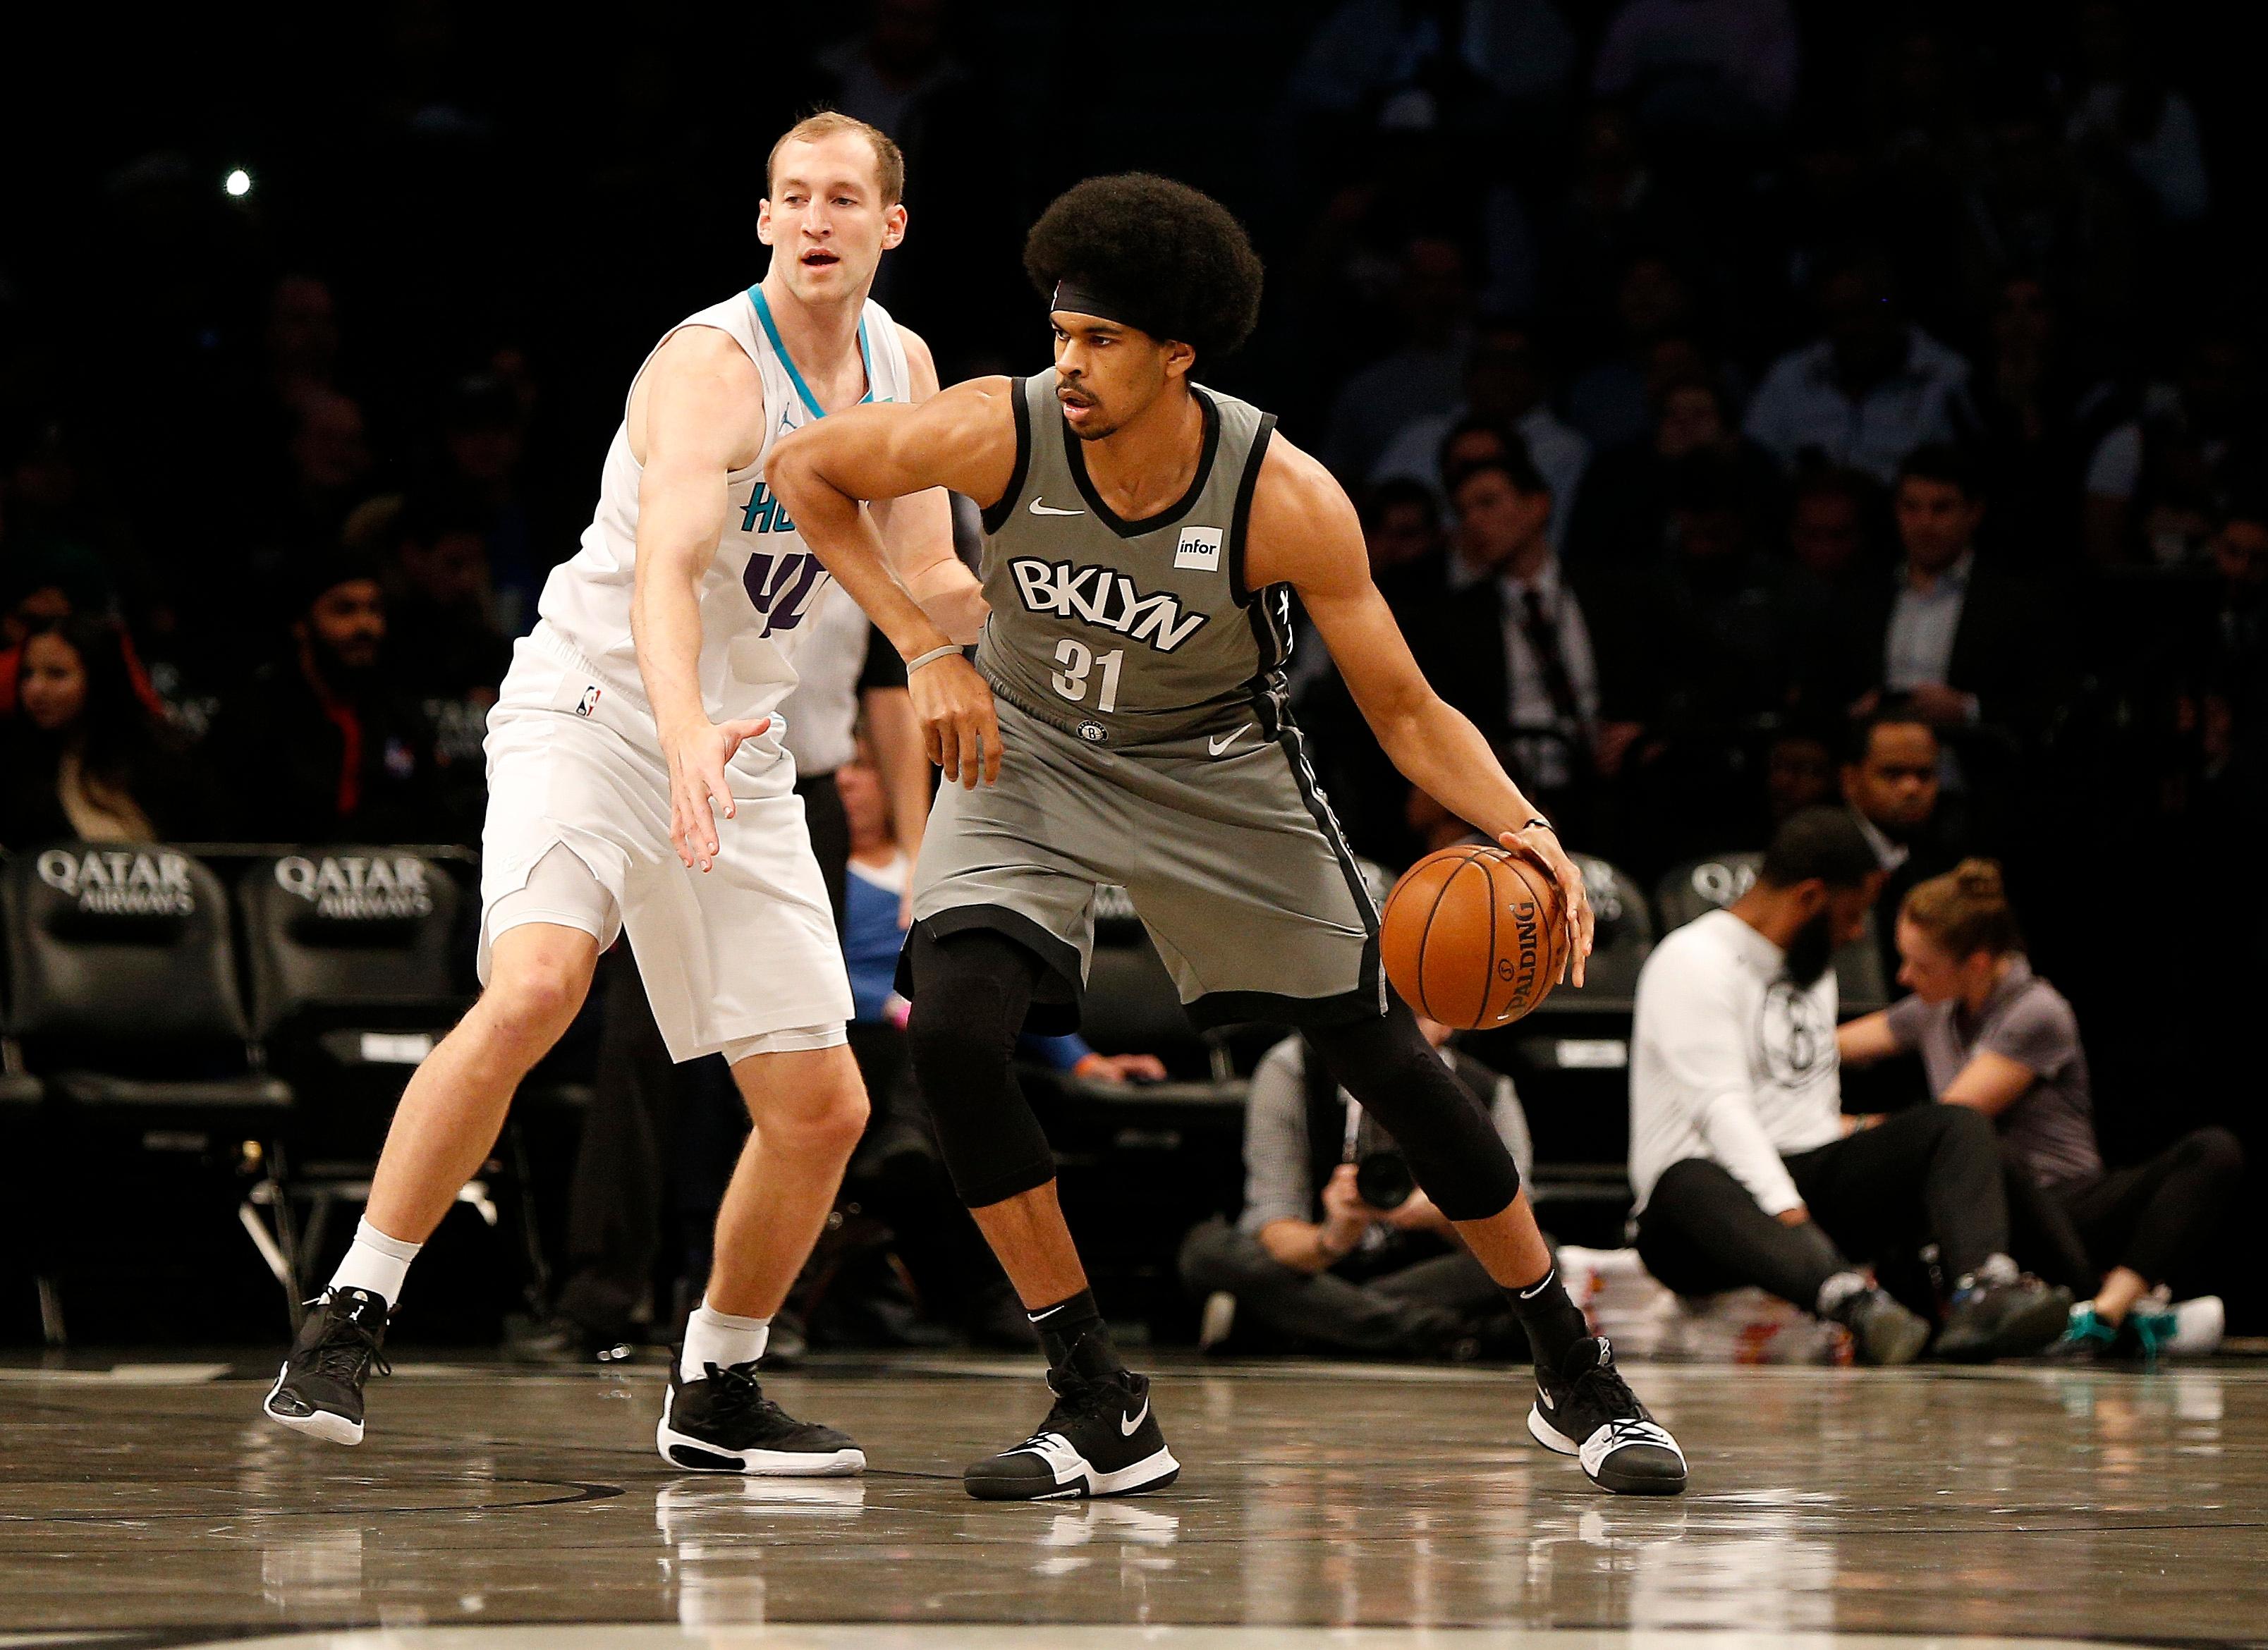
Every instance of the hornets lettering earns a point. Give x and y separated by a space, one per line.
1104 598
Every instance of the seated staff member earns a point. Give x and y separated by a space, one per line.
1312 1259
1748 1173
1997 1038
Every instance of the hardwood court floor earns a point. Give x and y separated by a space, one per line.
1996 1502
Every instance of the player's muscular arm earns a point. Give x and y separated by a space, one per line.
917 532
1305 533
704 417
963 438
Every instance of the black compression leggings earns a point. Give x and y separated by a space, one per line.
972 990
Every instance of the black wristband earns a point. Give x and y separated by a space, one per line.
1540 819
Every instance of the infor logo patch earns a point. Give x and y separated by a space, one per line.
1200 548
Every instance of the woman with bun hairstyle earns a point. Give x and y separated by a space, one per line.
1994 1035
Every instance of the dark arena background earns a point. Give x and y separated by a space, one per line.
1897 376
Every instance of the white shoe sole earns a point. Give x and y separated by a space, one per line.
334 1429
694 1454
1559 1444
1152 1472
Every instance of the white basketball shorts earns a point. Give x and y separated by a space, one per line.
741 959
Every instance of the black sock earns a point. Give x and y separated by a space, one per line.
1075 1336
1554 1324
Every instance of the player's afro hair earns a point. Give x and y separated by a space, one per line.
1167 258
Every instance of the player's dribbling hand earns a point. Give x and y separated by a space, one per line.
1541 845
698 790
959 729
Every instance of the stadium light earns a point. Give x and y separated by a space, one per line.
238 183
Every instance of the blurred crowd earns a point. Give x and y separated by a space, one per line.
1749 405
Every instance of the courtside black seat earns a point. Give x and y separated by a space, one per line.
123 1000
1715 881
123 991
350 958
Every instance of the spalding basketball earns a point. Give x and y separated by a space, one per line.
1475 936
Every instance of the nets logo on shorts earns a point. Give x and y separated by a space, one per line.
1093 732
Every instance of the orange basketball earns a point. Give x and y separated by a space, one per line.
1474 936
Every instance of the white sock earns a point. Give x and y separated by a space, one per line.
718 1338
376 1263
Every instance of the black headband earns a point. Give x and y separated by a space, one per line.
1081 301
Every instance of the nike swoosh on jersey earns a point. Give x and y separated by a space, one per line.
1126 1426
1039 509
1217 746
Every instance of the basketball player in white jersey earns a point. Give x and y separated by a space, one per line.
638 781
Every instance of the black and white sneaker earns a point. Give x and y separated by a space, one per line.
1991 1318
1585 1409
319 1389
1099 1438
723 1423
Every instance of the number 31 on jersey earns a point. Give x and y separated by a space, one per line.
1078 663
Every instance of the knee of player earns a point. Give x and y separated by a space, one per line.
829 1125
944 1042
535 1000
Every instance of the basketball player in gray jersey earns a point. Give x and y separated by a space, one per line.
1142 536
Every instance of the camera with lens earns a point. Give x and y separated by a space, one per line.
1381 1174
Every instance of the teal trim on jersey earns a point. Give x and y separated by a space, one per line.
802 389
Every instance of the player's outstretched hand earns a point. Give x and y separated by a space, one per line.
698 790
1541 842
958 727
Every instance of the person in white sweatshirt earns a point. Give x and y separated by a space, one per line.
1747 1170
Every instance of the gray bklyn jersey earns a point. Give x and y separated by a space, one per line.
1127 633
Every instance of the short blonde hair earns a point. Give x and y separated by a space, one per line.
889 163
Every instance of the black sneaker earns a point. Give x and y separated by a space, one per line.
1882 1332
319 1389
2002 1320
1099 1438
1586 1408
723 1423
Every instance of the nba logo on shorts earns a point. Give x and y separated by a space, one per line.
588 703
1200 548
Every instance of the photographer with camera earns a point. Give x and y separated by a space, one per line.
1338 1246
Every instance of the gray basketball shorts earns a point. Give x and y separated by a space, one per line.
1222 839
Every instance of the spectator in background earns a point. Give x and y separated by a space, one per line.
2031 409
1622 516
1701 67
1507 643
2125 107
87 755
1961 641
1748 1173
324 746
1311 1260
1799 773
1503 387
1417 379
330 456
1615 402
2233 647
440 604
1835 576
483 440
2156 483
1889 781
1401 530
301 340
1870 390
1998 1040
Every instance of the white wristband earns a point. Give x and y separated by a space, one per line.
932 657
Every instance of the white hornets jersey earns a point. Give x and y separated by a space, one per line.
762 580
